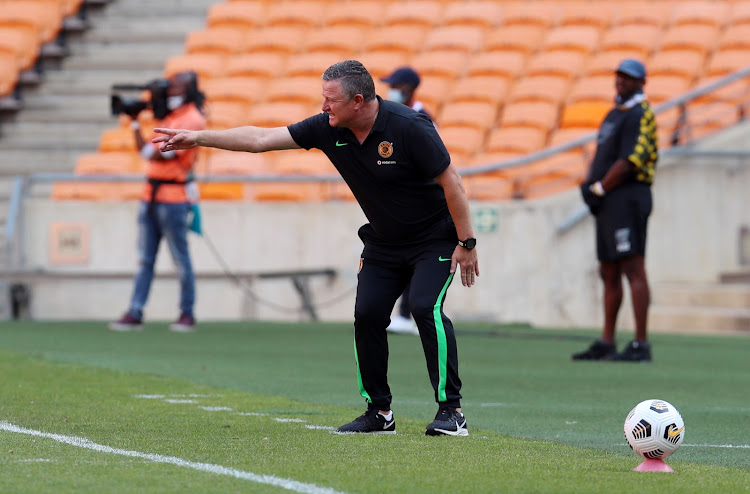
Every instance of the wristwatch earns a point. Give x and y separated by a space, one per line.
469 243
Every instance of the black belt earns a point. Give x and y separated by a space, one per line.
155 184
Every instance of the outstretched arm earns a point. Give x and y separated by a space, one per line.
250 139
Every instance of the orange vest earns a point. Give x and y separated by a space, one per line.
177 169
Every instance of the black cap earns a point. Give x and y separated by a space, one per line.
403 75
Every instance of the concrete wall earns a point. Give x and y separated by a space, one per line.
529 273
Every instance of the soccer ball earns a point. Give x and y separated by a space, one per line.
654 429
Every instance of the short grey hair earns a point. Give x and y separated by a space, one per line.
354 77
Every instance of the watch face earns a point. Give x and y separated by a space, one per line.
470 243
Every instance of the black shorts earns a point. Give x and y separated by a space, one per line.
621 224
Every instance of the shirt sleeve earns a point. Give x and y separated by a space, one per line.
639 143
309 132
427 149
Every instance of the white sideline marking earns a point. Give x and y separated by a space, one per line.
284 420
174 400
82 442
738 446
217 409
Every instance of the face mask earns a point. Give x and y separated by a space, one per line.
396 95
174 102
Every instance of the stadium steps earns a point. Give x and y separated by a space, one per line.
721 308
129 41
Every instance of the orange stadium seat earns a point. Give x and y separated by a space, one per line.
21 43
286 191
542 14
524 38
277 114
445 64
736 93
299 89
516 140
582 14
110 163
225 114
558 63
310 65
85 191
492 90
643 13
301 14
735 37
302 162
418 13
220 41
433 92
258 65
565 136
37 17
464 39
727 61
739 13
243 15
474 13
541 115
462 142
382 64
334 41
221 191
361 14
606 62
583 39
684 63
206 66
693 37
640 39
660 88
488 188
700 12
284 40
600 88
117 139
395 39
493 158
234 89
221 162
540 88
510 65
468 114
587 115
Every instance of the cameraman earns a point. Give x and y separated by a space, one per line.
165 206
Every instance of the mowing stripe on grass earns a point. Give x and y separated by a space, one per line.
82 442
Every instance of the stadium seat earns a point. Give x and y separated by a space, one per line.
402 40
737 92
700 12
301 89
221 162
660 88
117 139
735 37
258 65
277 114
540 88
582 14
542 14
37 17
334 41
433 92
727 61
480 14
337 191
707 118
492 90
462 142
566 136
582 39
418 13
226 115
739 13
516 140
552 175
560 63
21 43
684 63
110 163
541 115
480 116
587 115
219 41
360 14
524 38
464 39
206 66
606 62
497 63
701 38
446 64
86 191
310 65
302 162
284 40
643 13
488 188
286 191
234 89
301 14
642 40
382 63
221 191
243 15
600 89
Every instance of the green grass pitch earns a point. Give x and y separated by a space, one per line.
249 407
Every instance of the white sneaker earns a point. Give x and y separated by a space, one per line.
400 324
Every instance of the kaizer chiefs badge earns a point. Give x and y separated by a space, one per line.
385 149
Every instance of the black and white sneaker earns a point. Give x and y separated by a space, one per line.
597 351
635 351
448 422
370 422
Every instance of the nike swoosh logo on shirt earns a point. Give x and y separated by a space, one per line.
339 144
441 259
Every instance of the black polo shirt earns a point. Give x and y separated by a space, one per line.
391 173
630 134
